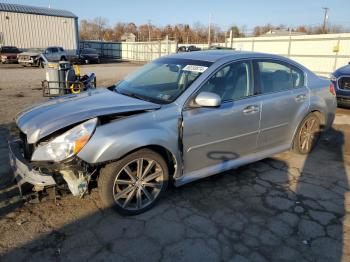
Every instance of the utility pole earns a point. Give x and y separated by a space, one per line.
325 19
149 30
209 31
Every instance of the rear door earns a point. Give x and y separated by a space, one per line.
213 136
283 94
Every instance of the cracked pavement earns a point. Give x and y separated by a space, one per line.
285 208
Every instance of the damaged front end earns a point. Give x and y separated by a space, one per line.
51 135
53 161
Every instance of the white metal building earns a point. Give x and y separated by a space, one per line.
38 27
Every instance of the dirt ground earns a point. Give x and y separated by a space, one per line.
284 208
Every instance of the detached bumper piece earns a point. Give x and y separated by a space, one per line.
22 169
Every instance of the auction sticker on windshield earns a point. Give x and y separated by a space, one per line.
195 68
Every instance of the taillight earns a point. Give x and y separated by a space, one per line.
332 89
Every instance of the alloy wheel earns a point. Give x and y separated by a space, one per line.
138 184
308 134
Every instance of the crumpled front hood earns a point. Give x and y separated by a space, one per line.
42 120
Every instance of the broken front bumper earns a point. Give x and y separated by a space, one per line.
22 169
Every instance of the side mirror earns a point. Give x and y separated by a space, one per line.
208 99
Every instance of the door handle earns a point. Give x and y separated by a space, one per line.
300 98
252 109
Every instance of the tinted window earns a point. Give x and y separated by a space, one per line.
276 76
61 49
232 82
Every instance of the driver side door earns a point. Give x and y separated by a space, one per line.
213 136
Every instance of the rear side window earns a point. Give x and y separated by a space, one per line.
275 76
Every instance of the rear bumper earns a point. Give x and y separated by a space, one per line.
22 169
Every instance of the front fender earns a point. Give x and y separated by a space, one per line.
114 140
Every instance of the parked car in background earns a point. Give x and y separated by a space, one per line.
217 47
33 57
190 48
181 49
9 54
89 55
177 119
341 82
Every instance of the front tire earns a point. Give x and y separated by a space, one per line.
307 135
41 63
135 183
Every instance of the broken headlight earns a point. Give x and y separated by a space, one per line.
67 144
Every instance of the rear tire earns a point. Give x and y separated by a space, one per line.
307 135
135 183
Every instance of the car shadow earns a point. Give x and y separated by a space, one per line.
288 207
323 193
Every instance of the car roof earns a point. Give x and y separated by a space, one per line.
215 55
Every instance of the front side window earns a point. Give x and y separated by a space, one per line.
232 82
275 77
162 81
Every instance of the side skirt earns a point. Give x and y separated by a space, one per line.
221 167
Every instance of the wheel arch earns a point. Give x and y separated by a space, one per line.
165 153
318 113
168 156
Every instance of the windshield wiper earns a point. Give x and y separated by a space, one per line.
133 95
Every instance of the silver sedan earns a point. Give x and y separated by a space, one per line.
177 119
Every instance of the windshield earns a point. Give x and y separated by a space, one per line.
162 81
89 51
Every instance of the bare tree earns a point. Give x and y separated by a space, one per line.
98 29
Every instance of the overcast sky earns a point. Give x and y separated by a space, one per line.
224 12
